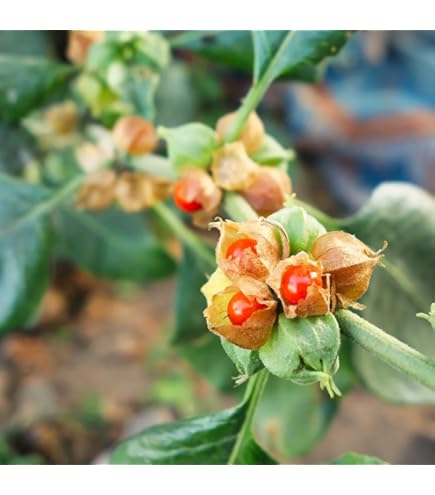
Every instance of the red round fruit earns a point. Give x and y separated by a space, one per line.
296 280
240 308
237 248
185 194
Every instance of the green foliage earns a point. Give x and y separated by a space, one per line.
33 43
112 244
272 153
25 244
247 362
354 458
16 148
404 215
26 83
9 457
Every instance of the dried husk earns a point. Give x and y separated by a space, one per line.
135 135
252 134
232 169
208 195
62 117
79 43
268 247
255 331
350 263
97 191
135 191
316 303
268 190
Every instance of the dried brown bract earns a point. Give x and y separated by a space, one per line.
97 191
252 134
62 117
135 135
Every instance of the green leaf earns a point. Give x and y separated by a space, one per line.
112 244
24 251
291 419
25 83
220 438
33 43
247 362
272 153
404 215
283 52
189 145
430 317
354 458
304 350
16 148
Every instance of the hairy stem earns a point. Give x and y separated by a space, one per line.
253 394
391 350
184 234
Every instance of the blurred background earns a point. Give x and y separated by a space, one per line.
96 365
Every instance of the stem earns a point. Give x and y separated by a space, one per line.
391 350
238 208
252 396
186 236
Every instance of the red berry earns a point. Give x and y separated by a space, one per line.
296 280
237 248
240 308
185 194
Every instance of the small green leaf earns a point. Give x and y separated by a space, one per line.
354 458
404 215
430 317
112 244
221 438
25 245
189 145
247 362
302 229
25 83
272 153
283 52
304 350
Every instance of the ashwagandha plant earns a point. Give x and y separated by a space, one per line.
280 293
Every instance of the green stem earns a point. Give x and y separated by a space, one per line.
391 350
238 208
183 233
252 396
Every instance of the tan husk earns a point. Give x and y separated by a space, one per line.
249 264
232 169
135 135
350 263
208 195
252 134
62 117
97 191
316 303
79 43
255 331
135 191
268 190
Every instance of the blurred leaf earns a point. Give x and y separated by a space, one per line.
217 438
284 52
112 244
25 83
404 215
24 251
291 419
353 458
16 147
430 317
33 43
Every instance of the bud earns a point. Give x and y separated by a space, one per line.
249 248
252 134
350 263
302 229
232 168
135 191
299 282
62 117
304 351
268 190
243 314
79 43
97 191
135 135
197 194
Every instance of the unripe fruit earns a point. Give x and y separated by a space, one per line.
240 308
350 263
268 190
252 134
79 43
135 135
